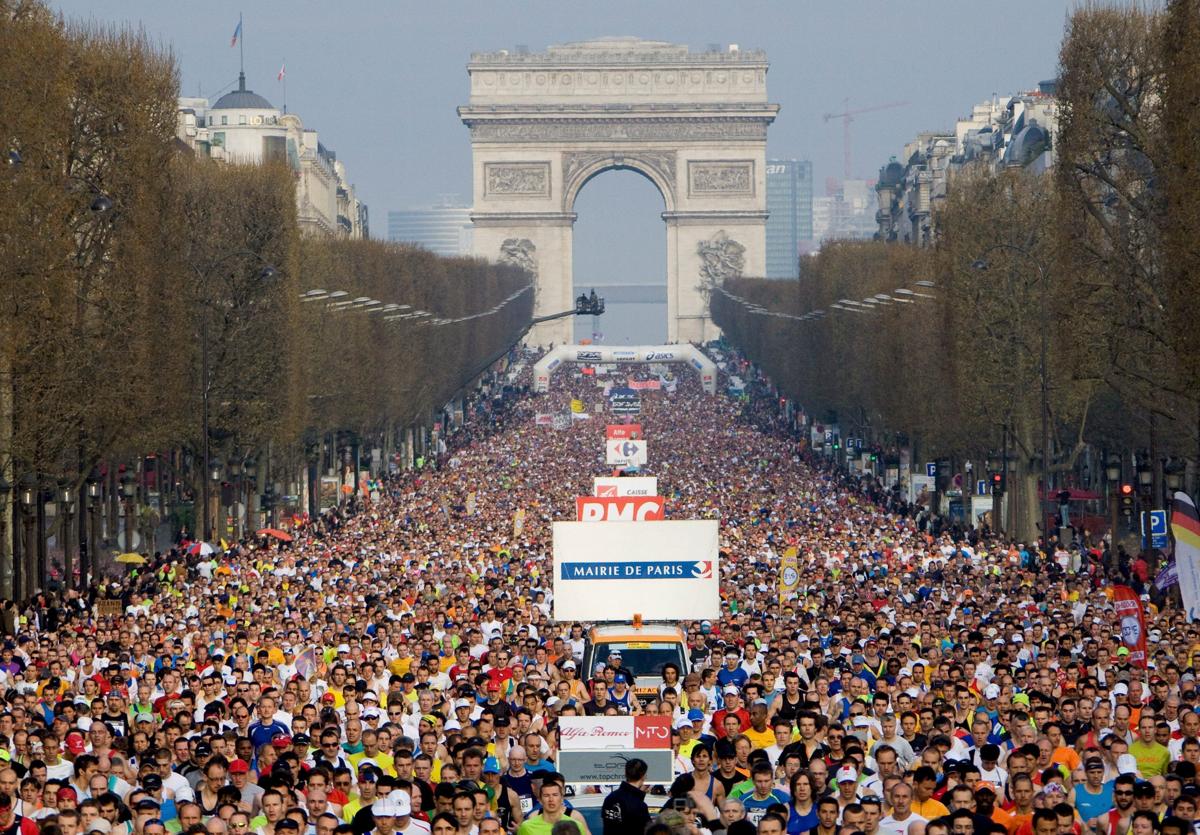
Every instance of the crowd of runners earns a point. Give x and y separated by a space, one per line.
395 669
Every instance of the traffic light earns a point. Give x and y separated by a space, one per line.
837 443
998 484
1126 494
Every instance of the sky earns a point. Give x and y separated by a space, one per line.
380 80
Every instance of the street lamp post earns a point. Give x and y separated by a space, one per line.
28 550
128 492
250 475
87 566
1112 475
236 481
6 553
214 476
66 509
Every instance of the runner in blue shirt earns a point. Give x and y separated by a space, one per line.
732 672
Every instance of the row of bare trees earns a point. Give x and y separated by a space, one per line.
145 294
1060 317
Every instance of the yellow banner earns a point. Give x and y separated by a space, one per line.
577 406
519 522
789 575
471 504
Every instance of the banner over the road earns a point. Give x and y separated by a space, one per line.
665 571
658 354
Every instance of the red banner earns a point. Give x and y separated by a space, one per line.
1132 617
645 385
624 432
620 509
651 732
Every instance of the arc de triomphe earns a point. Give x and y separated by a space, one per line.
695 124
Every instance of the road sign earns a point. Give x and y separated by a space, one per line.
1154 528
931 469
981 487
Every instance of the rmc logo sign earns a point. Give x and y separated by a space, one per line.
620 509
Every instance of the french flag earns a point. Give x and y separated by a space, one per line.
237 33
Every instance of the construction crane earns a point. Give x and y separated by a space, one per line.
847 116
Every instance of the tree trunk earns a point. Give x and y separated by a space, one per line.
1026 506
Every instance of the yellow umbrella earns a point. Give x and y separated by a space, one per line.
131 559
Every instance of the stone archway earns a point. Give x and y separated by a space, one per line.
694 124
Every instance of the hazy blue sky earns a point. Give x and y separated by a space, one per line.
380 80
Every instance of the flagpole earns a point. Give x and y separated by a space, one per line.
241 45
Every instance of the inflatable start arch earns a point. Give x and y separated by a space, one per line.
590 354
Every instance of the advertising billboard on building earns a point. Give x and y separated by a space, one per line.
665 571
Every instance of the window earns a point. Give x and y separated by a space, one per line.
242 119
210 121
274 148
224 120
218 139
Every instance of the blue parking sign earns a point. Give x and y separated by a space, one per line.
931 469
1154 528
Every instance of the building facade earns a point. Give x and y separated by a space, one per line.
243 127
846 212
444 229
1016 132
790 215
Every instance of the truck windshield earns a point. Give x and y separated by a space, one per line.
643 658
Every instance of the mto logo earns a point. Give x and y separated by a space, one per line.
659 355
652 732
620 509
587 356
606 491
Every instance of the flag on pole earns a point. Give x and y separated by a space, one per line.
1132 619
1185 526
282 72
789 575
237 33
